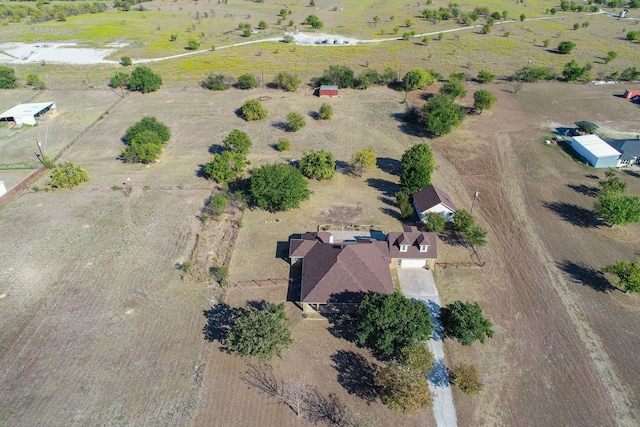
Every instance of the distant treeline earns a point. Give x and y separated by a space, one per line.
17 10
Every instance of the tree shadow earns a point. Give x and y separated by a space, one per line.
585 275
327 409
355 374
592 176
585 189
295 280
389 165
451 237
387 201
427 96
219 322
200 173
384 186
574 214
393 213
631 173
439 375
343 327
343 167
215 149
314 115
239 113
438 331
279 124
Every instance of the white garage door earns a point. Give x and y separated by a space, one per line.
412 263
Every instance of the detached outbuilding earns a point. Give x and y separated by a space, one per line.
631 94
26 114
595 151
326 90
433 199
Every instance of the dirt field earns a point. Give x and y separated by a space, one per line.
98 328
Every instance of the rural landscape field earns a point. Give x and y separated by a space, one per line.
110 308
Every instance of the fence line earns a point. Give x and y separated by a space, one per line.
467 264
260 282
9 195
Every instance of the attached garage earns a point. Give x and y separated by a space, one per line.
595 151
412 263
26 114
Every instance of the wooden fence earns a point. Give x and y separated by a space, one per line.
466 264
260 282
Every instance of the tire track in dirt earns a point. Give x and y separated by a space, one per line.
617 389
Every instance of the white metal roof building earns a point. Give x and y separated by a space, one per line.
25 114
597 152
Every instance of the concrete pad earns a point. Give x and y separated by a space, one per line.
417 282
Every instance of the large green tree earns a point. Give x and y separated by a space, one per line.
453 89
415 178
418 154
617 208
389 322
417 79
318 165
145 124
572 71
476 236
465 322
225 166
628 273
237 141
434 222
144 147
260 333
68 175
143 79
278 187
339 75
7 77
442 115
463 220
565 47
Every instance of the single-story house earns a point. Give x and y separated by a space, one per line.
595 151
336 276
327 90
26 114
629 149
413 248
432 199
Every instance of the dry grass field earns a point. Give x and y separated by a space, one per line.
99 329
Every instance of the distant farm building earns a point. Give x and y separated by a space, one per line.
595 151
631 94
26 114
326 90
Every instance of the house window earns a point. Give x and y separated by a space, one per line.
423 248
403 248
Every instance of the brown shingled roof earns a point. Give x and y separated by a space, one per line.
431 196
413 238
346 272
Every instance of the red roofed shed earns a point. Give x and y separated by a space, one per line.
329 91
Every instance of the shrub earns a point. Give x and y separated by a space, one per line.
278 187
485 76
339 75
225 166
633 36
218 204
403 390
125 61
262 25
486 29
465 322
417 357
318 165
531 74
34 81
523 17
295 121
7 77
483 100
434 222
68 175
573 71
314 21
283 144
146 152
466 377
463 220
247 81
453 89
565 47
611 55
363 159
215 82
286 81
325 112
193 44
630 74
222 274
253 110
417 79
405 206
287 38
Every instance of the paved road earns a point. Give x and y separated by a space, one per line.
418 283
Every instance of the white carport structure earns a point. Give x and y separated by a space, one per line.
26 114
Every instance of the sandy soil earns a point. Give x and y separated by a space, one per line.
67 53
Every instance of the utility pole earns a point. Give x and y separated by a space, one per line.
475 195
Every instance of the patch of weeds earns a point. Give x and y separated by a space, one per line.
117 188
186 266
